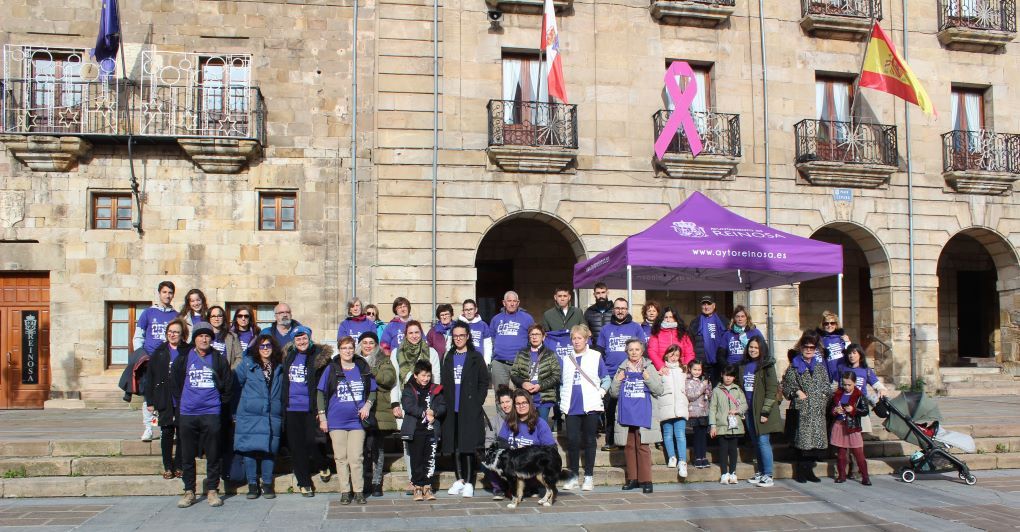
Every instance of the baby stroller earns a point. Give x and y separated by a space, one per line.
915 417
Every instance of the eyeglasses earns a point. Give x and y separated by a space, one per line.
829 323
460 336
282 312
265 346
520 404
170 331
220 316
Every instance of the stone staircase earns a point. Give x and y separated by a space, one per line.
119 467
979 377
101 391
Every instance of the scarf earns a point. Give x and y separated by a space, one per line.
267 370
742 332
802 365
668 325
372 358
411 353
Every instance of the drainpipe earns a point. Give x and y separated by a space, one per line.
354 160
768 171
435 136
910 215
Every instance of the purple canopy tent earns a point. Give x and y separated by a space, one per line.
702 246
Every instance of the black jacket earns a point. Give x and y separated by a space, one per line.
598 315
157 388
318 358
413 413
468 434
860 403
223 377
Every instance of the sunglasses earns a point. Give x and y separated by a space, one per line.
370 314
829 323
265 346
808 347
243 316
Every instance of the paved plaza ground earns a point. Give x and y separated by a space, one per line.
932 504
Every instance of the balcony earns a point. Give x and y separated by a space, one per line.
532 136
844 154
720 153
50 123
977 25
848 20
528 6
701 13
980 162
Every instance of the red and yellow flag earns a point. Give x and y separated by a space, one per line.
886 71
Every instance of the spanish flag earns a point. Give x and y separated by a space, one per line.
886 71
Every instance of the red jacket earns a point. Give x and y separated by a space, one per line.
658 343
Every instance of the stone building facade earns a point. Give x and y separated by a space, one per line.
523 190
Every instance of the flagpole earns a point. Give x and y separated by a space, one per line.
130 140
860 71
541 69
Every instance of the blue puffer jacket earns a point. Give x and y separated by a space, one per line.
259 408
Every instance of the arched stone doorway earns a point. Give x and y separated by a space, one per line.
529 252
978 299
867 295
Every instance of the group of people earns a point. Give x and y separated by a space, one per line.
229 390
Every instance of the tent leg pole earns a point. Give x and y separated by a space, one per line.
630 286
839 299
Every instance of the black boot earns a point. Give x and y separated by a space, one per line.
630 485
268 492
809 472
646 487
253 491
798 473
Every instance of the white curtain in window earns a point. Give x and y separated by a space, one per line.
699 106
972 110
511 84
539 92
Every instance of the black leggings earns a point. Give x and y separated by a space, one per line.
170 438
700 438
581 432
463 462
728 454
610 418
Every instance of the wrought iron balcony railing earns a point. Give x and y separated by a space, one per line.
844 8
981 150
823 140
730 3
998 15
114 108
719 132
520 123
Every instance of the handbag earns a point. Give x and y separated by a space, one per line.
732 420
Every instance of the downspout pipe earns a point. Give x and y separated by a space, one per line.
435 140
768 166
354 159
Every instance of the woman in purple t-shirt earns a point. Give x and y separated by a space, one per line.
465 384
346 393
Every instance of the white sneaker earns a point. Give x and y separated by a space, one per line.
468 491
682 469
733 478
589 484
724 478
765 482
571 484
147 435
755 479
456 488
672 462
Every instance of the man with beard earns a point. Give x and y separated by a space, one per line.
283 328
601 312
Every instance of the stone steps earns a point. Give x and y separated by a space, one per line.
126 485
982 389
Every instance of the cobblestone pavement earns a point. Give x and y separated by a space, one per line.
934 503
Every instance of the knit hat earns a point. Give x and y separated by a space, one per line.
301 329
369 334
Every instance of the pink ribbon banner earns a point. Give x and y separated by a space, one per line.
681 115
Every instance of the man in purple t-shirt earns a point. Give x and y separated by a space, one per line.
150 333
200 382
509 335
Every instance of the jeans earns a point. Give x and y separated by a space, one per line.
252 461
674 437
543 413
761 445
581 432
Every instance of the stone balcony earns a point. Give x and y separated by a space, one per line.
848 20
700 13
528 6
977 25
536 137
845 154
720 154
980 162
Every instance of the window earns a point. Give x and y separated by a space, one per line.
968 109
703 99
111 210
56 91
278 211
524 85
833 101
264 316
224 85
120 327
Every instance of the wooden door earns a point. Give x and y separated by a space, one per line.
24 340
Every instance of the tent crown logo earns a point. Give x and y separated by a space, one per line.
689 229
